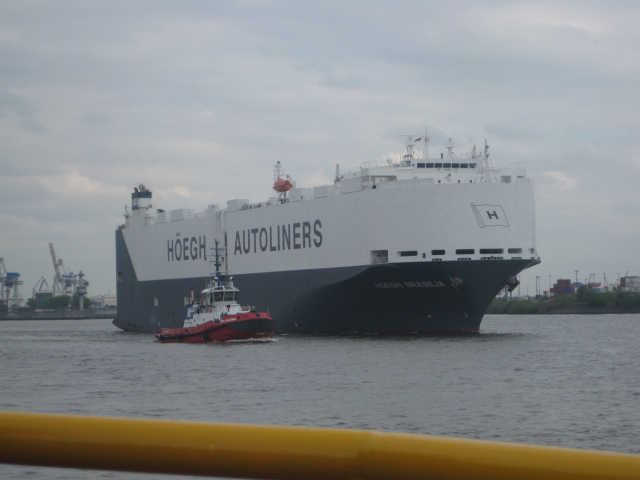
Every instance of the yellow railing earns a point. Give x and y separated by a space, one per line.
251 451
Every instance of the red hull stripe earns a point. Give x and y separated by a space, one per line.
246 327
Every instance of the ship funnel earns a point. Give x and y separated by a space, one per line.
141 198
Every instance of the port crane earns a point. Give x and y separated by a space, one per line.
39 286
39 294
64 281
9 283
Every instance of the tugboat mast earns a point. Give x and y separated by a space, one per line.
219 278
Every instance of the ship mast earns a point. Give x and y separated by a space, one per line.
450 154
484 168
217 264
409 154
425 144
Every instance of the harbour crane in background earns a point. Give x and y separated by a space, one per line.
66 282
39 293
39 285
9 282
63 280
3 275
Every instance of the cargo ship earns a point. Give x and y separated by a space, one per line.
414 244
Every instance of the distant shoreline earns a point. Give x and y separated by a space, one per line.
586 310
570 311
553 309
90 314
585 301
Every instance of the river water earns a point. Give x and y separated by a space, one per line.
564 380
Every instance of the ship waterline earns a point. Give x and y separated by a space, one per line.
410 298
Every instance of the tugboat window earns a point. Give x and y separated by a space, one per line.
228 296
218 296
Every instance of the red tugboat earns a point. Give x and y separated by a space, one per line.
218 317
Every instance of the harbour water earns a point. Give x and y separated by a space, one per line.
565 380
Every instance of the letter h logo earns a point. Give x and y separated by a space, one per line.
490 215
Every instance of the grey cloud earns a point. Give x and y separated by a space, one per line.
21 109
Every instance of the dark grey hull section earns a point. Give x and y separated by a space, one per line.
384 298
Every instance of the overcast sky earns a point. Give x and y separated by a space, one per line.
199 99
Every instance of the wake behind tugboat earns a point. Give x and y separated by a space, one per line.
218 317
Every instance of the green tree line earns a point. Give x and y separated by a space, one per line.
61 302
584 296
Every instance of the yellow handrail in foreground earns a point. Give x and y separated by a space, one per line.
251 451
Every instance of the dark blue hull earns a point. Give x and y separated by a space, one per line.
382 298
